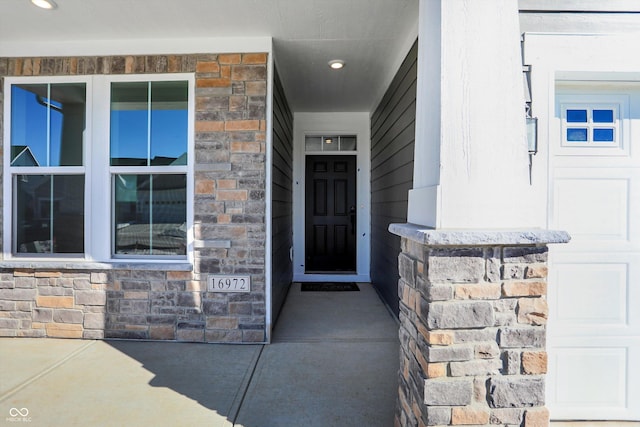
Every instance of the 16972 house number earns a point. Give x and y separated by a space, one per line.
229 283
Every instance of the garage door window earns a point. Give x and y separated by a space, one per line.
590 125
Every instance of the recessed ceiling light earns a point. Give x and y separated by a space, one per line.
336 64
45 4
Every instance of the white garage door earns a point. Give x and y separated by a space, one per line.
594 282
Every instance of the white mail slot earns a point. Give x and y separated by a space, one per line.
229 283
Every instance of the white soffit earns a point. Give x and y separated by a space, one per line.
371 36
579 5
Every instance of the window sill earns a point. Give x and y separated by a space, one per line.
89 265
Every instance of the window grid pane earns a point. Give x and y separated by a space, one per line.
594 129
577 116
150 214
47 124
49 211
330 143
603 116
577 134
603 135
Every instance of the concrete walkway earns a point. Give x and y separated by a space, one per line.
333 362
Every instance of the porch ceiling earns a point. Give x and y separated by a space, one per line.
371 36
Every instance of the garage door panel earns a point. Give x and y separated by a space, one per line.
603 290
578 369
598 290
594 380
593 209
597 207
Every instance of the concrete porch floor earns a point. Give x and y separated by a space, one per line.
333 362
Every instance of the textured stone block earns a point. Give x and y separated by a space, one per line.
488 350
91 297
407 269
439 338
94 321
515 392
68 316
537 417
534 362
438 293
435 370
488 291
533 311
506 416
63 330
448 392
475 335
469 415
460 315
215 308
162 332
475 367
537 271
524 289
511 362
6 323
55 301
525 254
521 337
193 335
449 353
29 282
43 315
513 271
253 336
93 334
18 294
99 277
456 265
436 415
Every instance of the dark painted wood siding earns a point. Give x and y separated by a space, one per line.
392 141
281 197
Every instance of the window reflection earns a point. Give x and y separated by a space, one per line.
47 124
150 214
149 123
50 213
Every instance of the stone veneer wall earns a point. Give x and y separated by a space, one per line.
473 331
155 301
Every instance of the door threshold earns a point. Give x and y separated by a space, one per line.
337 273
331 277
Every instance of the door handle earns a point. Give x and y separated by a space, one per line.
352 219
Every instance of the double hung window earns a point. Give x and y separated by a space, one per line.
98 168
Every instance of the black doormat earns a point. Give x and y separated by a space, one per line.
329 287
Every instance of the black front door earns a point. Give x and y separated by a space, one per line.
330 214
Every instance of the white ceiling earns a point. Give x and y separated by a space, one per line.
371 36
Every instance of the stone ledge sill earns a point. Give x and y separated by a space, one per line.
469 237
80 265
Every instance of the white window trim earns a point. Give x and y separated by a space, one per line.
590 125
97 171
593 101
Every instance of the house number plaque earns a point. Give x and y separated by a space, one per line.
229 283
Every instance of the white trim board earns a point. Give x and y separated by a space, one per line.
335 124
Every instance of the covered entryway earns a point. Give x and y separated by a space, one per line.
331 197
594 327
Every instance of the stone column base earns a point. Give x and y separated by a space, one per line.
473 314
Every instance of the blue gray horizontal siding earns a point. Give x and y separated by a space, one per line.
392 142
281 197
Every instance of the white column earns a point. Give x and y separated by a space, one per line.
471 165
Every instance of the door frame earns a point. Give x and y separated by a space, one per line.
334 124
